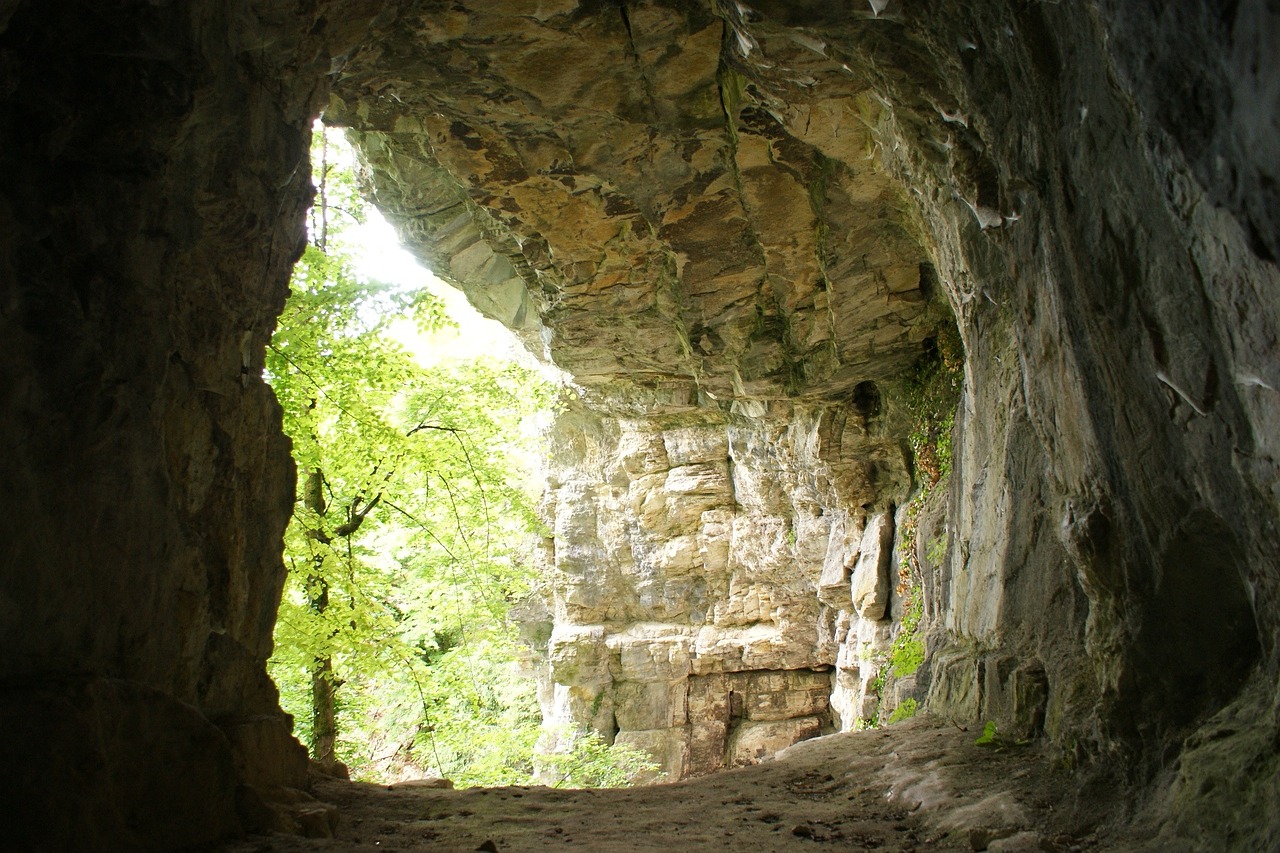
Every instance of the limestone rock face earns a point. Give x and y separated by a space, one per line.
618 186
741 212
686 556
870 592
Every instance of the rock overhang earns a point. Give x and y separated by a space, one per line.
739 214
640 198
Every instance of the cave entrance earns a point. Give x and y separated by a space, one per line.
415 426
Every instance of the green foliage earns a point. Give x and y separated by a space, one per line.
591 762
905 657
876 688
907 652
936 550
990 736
932 393
992 739
483 721
905 711
407 543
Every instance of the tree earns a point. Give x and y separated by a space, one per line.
406 546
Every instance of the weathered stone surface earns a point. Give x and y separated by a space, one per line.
722 219
1087 456
870 583
689 547
724 244
835 582
752 742
152 198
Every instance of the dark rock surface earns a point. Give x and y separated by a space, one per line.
154 179
737 211
921 785
100 763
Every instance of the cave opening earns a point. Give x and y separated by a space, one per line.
347 605
722 219
416 432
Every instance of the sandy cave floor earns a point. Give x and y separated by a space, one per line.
922 785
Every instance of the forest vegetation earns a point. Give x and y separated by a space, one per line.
412 531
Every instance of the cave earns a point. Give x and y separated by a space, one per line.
740 227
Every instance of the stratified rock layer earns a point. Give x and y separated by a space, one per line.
686 553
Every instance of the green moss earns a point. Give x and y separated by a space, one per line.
990 736
907 652
932 394
876 687
937 550
905 711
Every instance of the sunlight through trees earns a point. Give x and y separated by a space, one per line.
410 533
412 528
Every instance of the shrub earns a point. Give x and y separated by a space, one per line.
907 652
590 762
905 711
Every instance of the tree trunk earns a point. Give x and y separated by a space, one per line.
324 728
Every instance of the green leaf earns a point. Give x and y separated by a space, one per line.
402 576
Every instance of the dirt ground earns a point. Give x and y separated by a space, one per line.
923 785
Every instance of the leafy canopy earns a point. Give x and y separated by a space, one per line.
411 527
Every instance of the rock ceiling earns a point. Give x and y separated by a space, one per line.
666 195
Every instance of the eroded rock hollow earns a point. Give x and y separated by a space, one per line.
740 227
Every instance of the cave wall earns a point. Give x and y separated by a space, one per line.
1117 470
723 220
154 181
